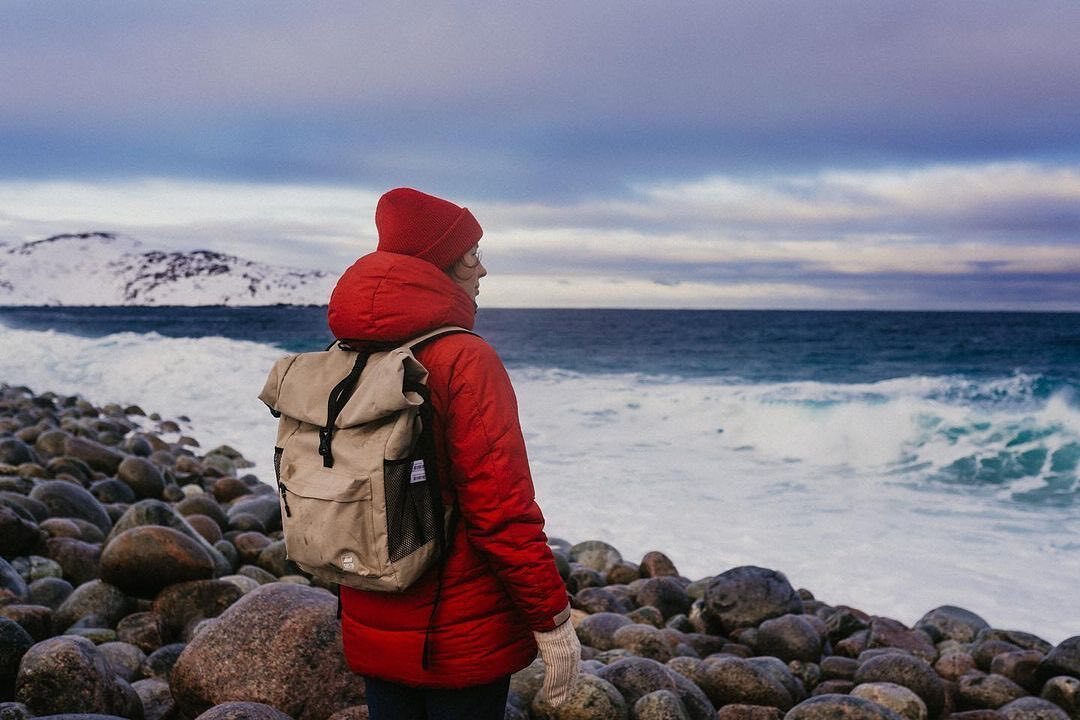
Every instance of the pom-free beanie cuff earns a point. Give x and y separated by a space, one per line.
424 226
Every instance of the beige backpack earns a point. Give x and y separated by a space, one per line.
355 465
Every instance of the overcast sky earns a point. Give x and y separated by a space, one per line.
722 154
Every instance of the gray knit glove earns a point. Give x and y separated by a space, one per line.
561 653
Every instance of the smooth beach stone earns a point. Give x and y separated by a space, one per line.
243 711
266 508
274 560
61 527
747 596
1024 640
111 490
205 526
35 567
636 677
598 630
228 552
705 645
202 503
954 665
844 622
647 615
976 715
1032 708
1062 660
14 642
182 605
889 633
789 637
256 573
895 697
835 667
643 641
582 577
35 619
96 635
912 672
808 673
159 664
657 564
623 573
68 674
146 513
156 698
591 698
779 671
227 489
74 468
1020 666
64 499
525 683
12 586
138 445
599 599
25 506
248 546
748 712
96 597
659 705
124 658
951 623
79 559
727 679
50 443
49 591
984 652
1063 691
840 707
291 634
88 531
987 691
143 560
97 456
833 687
596 554
246 522
144 630
21 536
15 452
666 594
142 476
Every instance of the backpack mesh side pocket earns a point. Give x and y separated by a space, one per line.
411 520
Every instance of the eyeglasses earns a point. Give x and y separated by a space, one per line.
472 259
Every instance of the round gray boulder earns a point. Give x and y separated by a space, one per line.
909 671
840 707
591 698
636 677
747 596
67 674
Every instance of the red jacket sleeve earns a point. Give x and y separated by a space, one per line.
490 472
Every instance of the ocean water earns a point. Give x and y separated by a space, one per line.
890 461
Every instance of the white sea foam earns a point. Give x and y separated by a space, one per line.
850 490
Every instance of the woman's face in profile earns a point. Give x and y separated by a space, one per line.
467 272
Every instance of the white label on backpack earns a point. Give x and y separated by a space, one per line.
348 562
417 475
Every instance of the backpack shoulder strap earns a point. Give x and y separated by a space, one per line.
418 342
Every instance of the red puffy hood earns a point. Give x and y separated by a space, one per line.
387 297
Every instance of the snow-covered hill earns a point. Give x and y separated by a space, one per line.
108 269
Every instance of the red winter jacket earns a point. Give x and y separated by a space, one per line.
500 581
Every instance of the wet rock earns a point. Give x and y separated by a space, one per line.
596 554
840 707
183 605
156 512
125 659
845 622
49 591
64 499
50 443
143 630
157 700
1032 708
598 630
657 564
747 596
78 559
291 633
143 560
889 633
274 560
249 545
636 677
912 672
246 522
264 507
205 526
70 467
897 698
35 619
95 597
21 536
142 476
643 641
951 623
112 491
256 573
68 674
204 504
729 679
1062 660
591 698
624 573
987 691
12 586
665 594
789 637
1019 666
25 506
598 599
1063 691
14 642
160 663
227 489
243 711
659 705
97 456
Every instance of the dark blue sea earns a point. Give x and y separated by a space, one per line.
898 460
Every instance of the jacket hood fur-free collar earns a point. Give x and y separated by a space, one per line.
386 297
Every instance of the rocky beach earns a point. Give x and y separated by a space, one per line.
144 576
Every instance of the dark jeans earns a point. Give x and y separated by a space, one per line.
391 701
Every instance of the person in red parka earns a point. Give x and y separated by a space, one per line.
500 597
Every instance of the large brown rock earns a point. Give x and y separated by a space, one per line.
94 454
142 476
636 677
591 698
1062 660
67 674
909 671
747 596
727 679
888 633
156 512
143 560
79 560
951 623
183 605
291 634
790 637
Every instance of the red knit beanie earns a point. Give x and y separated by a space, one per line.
414 223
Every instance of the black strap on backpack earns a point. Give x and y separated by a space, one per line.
334 404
